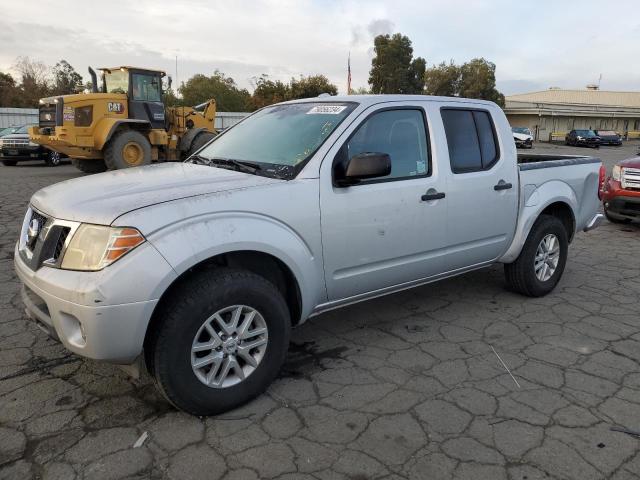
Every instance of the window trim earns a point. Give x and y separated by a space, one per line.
458 171
145 74
340 151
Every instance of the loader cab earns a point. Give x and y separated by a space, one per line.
143 89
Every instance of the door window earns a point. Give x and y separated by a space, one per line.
399 133
471 140
146 88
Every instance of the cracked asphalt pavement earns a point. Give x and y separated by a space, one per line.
405 386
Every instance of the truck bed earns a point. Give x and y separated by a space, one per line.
529 161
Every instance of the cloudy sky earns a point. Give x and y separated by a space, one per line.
535 44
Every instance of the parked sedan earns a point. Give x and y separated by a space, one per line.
608 137
582 138
16 147
523 137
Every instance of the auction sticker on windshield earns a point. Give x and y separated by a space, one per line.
327 109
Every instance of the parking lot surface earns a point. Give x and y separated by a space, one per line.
412 385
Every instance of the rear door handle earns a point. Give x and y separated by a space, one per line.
432 196
502 186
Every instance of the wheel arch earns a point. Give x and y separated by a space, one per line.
560 201
108 127
261 263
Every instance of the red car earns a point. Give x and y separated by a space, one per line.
620 192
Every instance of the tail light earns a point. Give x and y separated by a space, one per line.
601 175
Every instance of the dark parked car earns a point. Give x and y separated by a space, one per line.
582 138
16 147
608 137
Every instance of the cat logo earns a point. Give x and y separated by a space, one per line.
115 107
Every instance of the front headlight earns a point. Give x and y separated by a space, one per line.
31 144
616 174
94 247
579 137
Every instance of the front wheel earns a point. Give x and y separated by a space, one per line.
127 148
219 340
538 268
53 158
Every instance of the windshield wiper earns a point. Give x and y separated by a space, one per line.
199 160
241 165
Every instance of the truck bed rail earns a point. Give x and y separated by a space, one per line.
536 161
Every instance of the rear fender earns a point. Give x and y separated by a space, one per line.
534 200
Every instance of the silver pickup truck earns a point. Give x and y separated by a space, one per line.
199 270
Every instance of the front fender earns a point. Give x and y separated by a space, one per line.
193 240
534 201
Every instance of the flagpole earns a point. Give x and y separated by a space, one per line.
349 74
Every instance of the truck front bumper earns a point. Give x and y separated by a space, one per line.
62 141
66 304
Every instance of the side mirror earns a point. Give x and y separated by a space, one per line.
361 167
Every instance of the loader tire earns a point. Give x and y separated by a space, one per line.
127 149
89 166
200 141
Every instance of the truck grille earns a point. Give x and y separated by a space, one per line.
48 246
15 143
630 178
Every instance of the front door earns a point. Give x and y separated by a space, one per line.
387 231
145 99
482 188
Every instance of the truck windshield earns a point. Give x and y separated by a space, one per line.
281 138
116 81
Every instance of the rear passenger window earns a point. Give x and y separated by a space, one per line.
471 140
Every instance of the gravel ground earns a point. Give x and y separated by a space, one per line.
405 386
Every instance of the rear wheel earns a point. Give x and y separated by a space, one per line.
538 268
200 141
9 163
127 149
219 341
53 158
89 166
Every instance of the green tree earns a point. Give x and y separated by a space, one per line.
393 69
65 79
311 86
478 80
229 98
442 79
360 91
268 92
9 92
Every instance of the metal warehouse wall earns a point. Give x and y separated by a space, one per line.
228 119
18 116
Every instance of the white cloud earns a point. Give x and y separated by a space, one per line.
531 43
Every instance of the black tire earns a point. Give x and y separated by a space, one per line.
115 156
615 220
521 276
53 158
168 344
89 166
9 163
200 141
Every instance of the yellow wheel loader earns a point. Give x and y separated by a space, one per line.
122 123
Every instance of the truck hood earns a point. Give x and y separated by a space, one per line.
102 198
633 162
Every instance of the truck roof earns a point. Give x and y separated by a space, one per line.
375 99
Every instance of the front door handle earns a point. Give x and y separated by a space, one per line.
502 186
432 196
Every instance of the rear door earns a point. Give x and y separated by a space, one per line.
482 187
384 232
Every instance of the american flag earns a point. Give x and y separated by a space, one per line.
349 74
